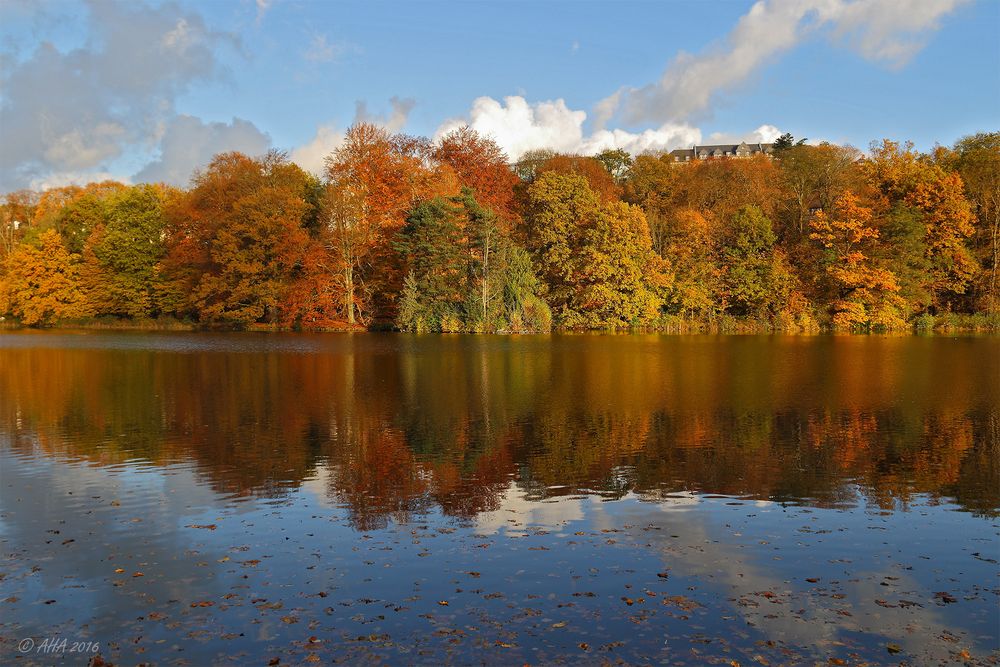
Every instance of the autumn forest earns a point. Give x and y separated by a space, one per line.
449 235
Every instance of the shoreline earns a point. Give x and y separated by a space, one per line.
979 324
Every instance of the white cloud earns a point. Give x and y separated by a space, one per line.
667 136
79 109
400 108
312 155
328 138
888 31
764 134
78 150
519 126
188 143
62 178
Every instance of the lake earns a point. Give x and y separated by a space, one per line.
568 499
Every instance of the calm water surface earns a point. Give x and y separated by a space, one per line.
239 499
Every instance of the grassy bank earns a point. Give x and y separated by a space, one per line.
948 323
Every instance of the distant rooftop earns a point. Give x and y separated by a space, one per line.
744 149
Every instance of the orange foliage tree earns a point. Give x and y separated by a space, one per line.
238 244
480 165
866 295
376 178
903 177
598 179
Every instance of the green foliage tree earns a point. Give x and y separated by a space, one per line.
977 160
431 242
902 250
617 162
465 272
122 253
596 260
689 248
757 279
79 219
786 141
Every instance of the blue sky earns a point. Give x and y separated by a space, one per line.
149 91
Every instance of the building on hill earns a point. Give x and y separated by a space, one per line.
742 150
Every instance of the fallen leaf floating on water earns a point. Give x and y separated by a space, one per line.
893 648
207 526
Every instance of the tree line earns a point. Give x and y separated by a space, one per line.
449 236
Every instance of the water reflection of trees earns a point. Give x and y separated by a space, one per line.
404 424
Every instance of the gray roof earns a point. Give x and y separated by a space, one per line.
713 150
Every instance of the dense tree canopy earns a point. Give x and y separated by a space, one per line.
449 235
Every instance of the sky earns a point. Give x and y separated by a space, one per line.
147 91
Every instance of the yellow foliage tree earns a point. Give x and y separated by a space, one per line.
40 284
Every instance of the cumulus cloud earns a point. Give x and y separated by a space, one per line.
63 178
891 32
189 143
519 126
764 134
399 113
76 110
312 156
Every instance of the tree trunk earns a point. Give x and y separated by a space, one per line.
486 279
995 232
349 293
